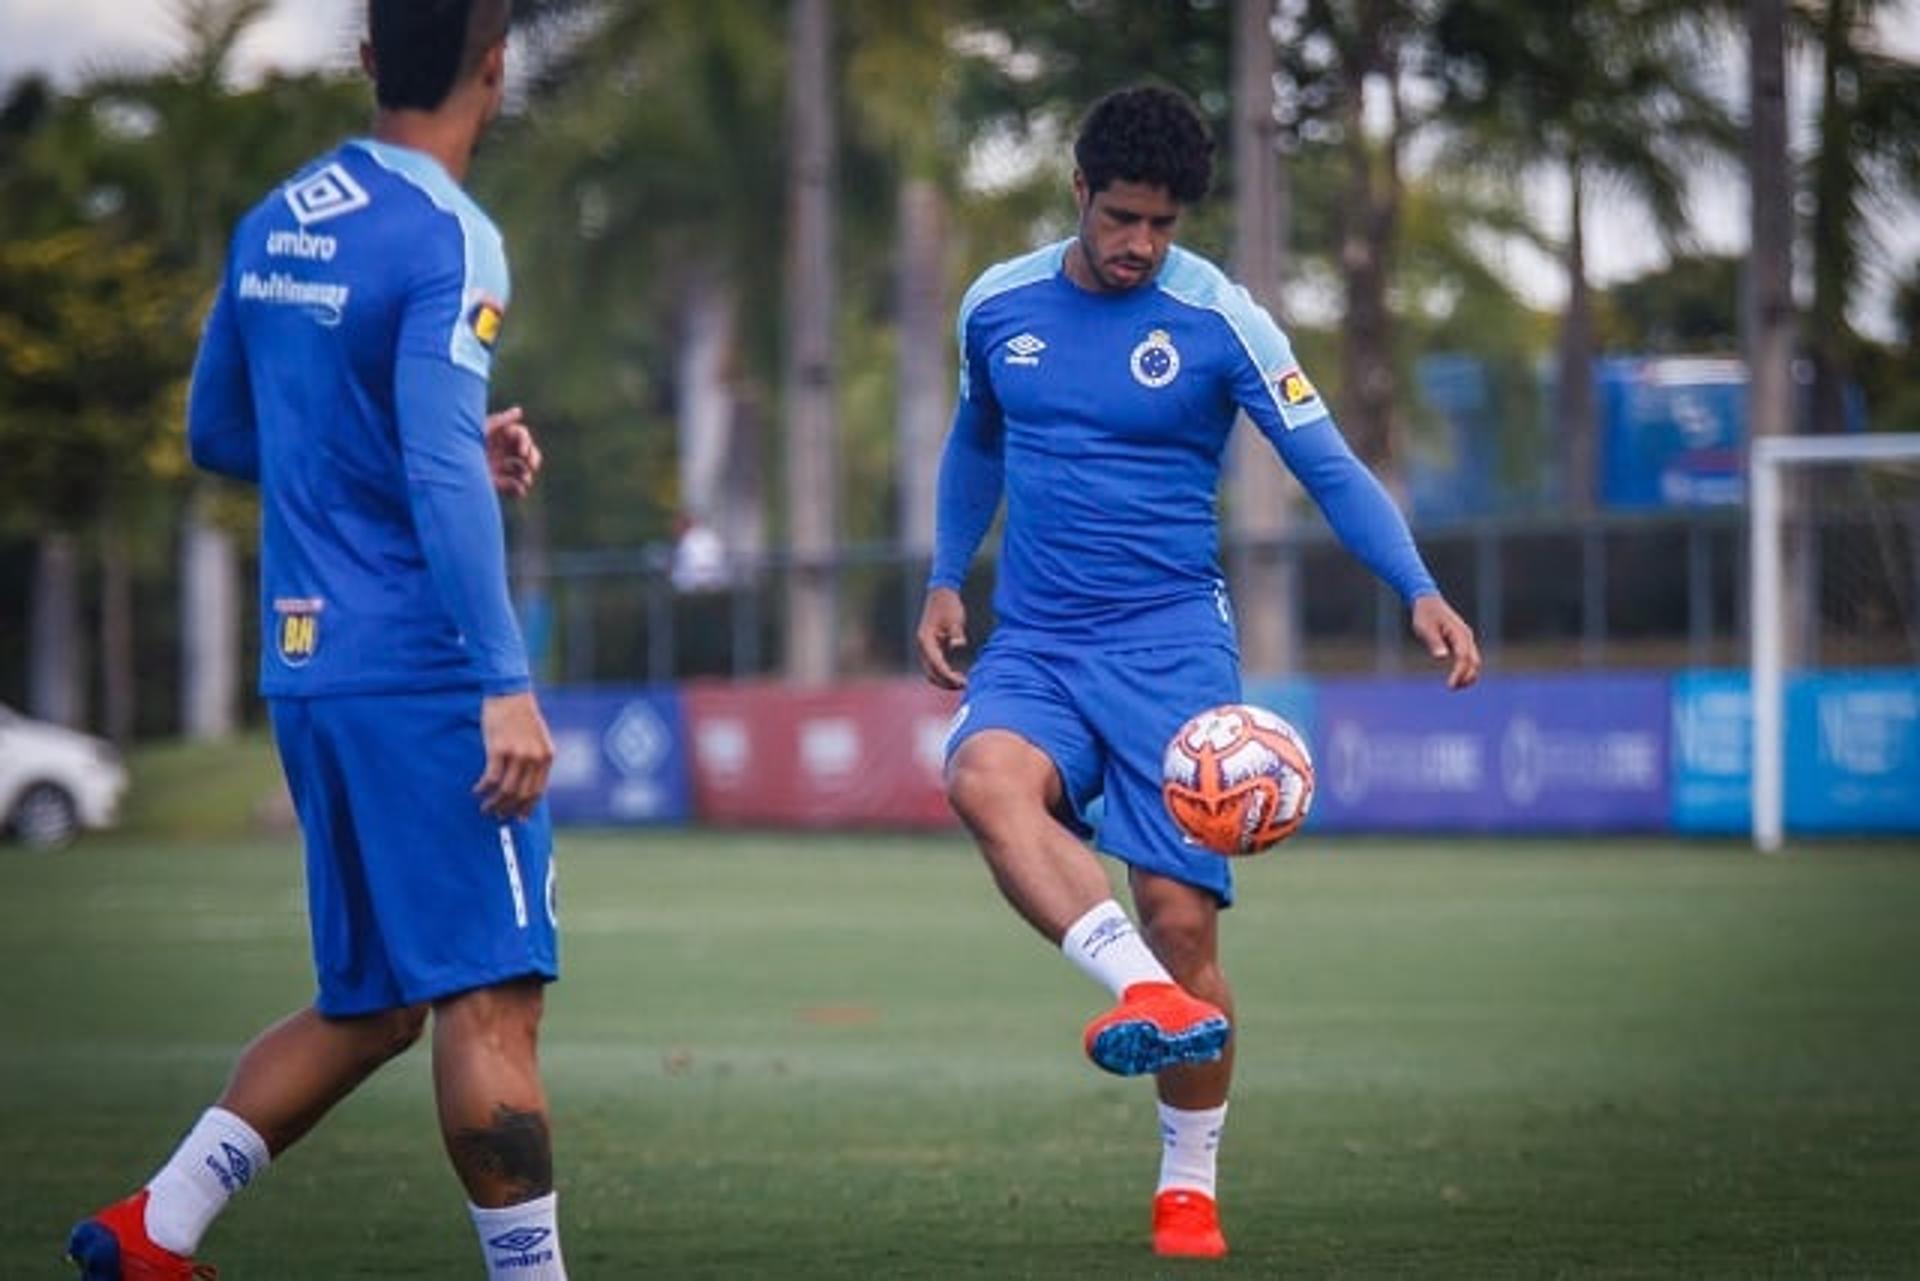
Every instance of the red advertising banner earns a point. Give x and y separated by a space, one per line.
865 753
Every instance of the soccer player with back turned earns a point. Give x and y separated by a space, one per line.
1100 379
344 370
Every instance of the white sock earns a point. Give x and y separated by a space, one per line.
1108 950
1190 1144
220 1155
521 1242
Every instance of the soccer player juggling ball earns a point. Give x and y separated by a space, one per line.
344 370
1099 382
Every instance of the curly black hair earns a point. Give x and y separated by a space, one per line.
1147 134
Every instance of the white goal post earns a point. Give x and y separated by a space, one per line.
1768 461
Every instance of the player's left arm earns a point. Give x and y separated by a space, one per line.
442 364
221 433
1298 424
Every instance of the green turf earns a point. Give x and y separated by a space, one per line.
813 1057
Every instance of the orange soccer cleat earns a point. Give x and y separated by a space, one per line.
113 1246
1156 1026
1186 1225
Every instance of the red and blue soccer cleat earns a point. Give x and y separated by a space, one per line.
113 1246
1186 1225
1156 1026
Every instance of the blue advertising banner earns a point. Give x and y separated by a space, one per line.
1293 697
1673 431
1712 752
619 755
1852 753
1572 753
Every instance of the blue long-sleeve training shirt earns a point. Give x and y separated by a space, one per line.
344 369
1103 419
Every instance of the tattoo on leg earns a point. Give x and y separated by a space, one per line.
516 1148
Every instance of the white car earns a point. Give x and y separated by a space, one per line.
54 781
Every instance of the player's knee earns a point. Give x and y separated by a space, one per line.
390 1034
504 1015
980 793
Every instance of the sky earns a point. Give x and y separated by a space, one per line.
68 38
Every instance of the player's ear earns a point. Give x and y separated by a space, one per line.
1080 193
493 67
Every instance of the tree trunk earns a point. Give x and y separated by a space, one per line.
1574 395
925 388
1373 208
55 689
209 625
812 461
704 389
1769 311
1258 496
118 690
1835 256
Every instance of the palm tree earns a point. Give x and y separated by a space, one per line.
1769 292
1602 93
813 489
1869 150
1259 503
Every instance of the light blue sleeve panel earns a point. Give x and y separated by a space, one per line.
991 283
221 434
443 354
469 328
973 466
1269 385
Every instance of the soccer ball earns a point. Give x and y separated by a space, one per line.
1237 779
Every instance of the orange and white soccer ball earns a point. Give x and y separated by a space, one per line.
1237 779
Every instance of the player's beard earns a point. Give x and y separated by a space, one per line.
1097 269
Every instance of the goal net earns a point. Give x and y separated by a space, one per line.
1835 627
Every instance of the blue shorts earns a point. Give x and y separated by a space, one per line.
413 893
1105 719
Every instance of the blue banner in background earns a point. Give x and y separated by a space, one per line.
1564 754
1852 755
1292 697
1853 752
1712 752
619 755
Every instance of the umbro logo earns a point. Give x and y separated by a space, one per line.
328 193
1024 350
237 1173
519 1240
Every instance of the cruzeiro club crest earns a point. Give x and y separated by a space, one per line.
1156 361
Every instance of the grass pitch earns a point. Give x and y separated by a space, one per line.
803 1057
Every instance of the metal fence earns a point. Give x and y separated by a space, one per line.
1612 591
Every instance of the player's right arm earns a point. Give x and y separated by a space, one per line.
221 435
440 378
972 479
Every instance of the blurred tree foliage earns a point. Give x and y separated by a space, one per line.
640 178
